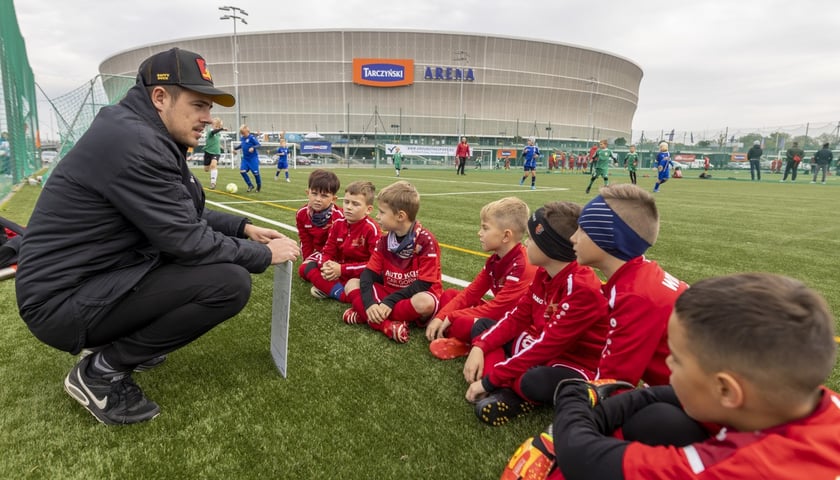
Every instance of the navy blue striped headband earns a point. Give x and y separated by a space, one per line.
609 231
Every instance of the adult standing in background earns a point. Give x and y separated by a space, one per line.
793 156
462 152
823 158
120 254
754 157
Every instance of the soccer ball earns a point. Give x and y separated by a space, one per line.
231 188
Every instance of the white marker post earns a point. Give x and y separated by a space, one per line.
281 305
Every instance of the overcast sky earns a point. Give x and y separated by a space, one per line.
707 64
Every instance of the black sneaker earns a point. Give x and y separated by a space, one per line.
111 402
501 406
143 367
250 188
150 364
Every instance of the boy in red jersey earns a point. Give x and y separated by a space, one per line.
402 280
315 219
615 229
349 246
751 374
560 322
507 273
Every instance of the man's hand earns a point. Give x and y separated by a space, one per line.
261 234
283 250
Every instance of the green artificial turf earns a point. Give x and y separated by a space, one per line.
356 405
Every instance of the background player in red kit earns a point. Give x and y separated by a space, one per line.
560 322
752 375
316 218
507 273
402 280
349 246
615 229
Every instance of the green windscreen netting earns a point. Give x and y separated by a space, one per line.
19 116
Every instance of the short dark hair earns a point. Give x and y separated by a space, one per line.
324 181
562 217
771 329
174 91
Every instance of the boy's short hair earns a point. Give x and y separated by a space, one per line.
562 217
772 330
551 227
508 213
324 181
635 206
401 196
362 187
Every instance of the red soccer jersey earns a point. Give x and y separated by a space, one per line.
641 297
398 273
808 448
563 319
351 245
313 238
507 277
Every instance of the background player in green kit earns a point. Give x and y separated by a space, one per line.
631 161
601 167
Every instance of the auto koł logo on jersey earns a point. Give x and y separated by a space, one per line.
381 72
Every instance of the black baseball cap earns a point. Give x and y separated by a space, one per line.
183 68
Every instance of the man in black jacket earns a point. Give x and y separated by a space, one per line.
823 159
754 156
120 255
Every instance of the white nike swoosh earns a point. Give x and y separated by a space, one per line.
101 404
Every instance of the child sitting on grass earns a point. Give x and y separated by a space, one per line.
615 229
748 351
401 283
315 219
349 246
560 322
507 274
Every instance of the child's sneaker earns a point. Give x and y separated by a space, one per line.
521 182
448 348
396 331
501 406
533 460
351 317
533 187
289 181
318 293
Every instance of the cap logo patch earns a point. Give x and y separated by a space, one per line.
538 229
202 67
163 77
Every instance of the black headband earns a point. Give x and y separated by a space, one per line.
550 242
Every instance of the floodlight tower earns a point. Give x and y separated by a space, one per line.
237 15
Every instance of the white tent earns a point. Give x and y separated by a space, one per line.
313 136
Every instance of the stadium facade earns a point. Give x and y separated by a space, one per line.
421 86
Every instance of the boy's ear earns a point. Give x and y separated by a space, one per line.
730 390
507 236
369 209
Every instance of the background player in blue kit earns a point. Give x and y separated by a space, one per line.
250 157
530 153
282 159
663 165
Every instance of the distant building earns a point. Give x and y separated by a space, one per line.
339 83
